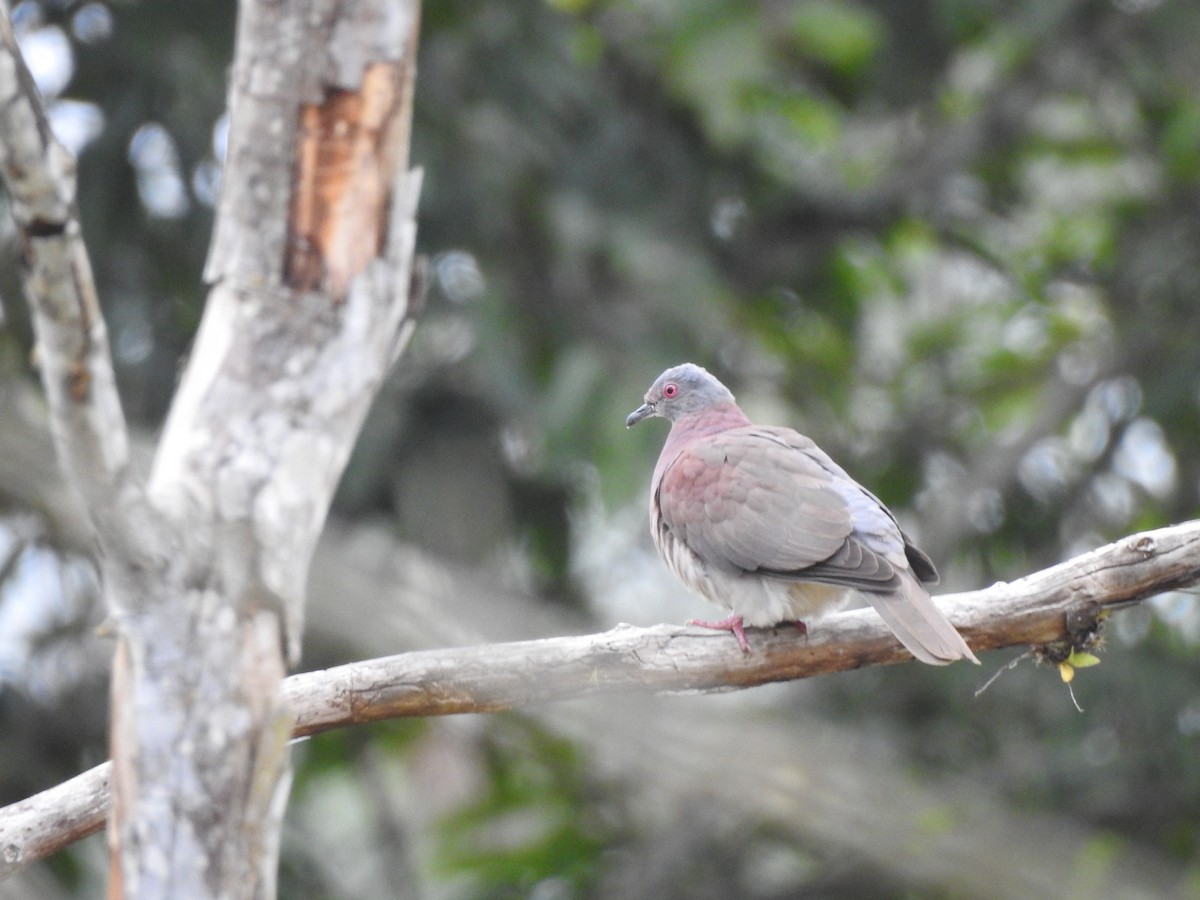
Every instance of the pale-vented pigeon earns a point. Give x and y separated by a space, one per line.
760 521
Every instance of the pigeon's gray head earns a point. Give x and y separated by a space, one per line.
680 391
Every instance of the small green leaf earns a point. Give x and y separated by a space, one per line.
844 36
1082 660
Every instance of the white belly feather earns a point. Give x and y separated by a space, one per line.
761 602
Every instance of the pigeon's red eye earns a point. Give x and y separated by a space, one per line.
670 389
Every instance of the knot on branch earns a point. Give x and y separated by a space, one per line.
1084 625
1144 544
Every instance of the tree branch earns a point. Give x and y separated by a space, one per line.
1063 605
72 342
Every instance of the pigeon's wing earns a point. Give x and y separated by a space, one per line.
905 605
757 500
874 523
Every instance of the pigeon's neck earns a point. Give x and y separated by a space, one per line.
717 418
713 420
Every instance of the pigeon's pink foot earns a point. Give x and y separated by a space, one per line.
802 628
733 624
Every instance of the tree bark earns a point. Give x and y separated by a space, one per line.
310 304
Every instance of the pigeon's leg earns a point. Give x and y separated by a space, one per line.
801 627
733 624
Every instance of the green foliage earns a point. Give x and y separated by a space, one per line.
321 755
1181 141
540 818
718 92
843 36
814 122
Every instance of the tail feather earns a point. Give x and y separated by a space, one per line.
920 625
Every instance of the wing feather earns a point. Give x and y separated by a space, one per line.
767 500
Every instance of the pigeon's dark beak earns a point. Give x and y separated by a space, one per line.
642 412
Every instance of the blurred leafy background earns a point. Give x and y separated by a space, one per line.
956 242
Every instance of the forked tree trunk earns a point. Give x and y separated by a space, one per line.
311 301
310 273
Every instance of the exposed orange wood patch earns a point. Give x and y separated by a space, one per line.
79 381
346 155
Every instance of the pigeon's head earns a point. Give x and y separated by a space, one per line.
680 391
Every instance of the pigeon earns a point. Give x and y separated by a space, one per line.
761 522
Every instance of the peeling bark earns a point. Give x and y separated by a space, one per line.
342 189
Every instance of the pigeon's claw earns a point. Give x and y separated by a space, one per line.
732 624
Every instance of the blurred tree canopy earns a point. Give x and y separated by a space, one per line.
956 242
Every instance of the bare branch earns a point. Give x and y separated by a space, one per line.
39 827
72 342
1065 603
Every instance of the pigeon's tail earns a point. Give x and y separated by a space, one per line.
920 625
